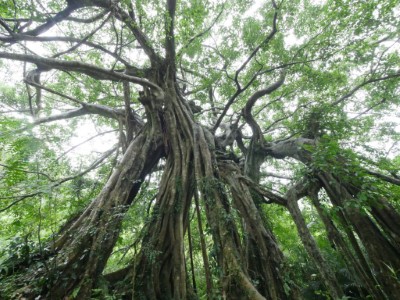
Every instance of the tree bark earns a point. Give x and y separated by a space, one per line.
160 270
235 282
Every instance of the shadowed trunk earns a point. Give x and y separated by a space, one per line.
388 219
383 255
358 265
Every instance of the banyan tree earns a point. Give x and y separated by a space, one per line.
220 121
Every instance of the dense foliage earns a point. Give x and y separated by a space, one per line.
199 149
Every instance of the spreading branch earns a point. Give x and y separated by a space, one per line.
263 43
12 168
361 85
22 37
384 177
239 88
46 64
81 42
257 133
130 21
86 110
59 17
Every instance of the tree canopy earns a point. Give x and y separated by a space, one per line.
204 149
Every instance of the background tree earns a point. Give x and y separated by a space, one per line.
224 126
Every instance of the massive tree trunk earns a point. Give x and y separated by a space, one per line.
160 272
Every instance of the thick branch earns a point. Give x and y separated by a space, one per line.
384 177
94 109
73 19
290 148
86 109
268 174
60 16
129 20
252 100
46 64
22 37
88 20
